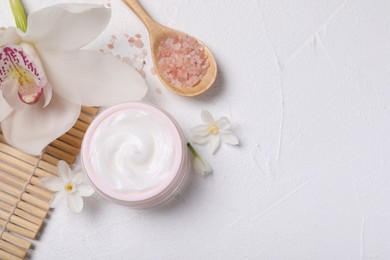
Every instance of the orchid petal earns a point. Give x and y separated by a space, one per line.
47 94
32 129
202 130
58 198
9 89
53 183
22 63
64 172
229 138
223 123
9 36
75 203
5 109
92 79
207 117
84 190
66 26
215 142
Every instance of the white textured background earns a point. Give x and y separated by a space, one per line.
306 84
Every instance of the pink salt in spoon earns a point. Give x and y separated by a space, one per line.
184 64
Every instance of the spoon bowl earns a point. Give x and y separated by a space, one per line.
159 33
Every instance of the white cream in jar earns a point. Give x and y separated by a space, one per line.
135 154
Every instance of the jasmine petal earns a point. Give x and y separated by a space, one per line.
58 198
215 142
229 138
201 167
213 132
70 185
53 183
75 203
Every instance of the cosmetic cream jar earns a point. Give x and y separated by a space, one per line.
135 154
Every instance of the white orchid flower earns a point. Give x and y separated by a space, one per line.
45 77
201 166
70 185
213 132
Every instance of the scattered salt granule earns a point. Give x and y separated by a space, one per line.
110 45
182 61
131 40
137 59
138 43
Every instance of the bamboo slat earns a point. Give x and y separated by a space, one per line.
13 249
76 133
6 255
71 140
24 200
17 240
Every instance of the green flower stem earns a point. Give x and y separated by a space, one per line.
19 14
193 151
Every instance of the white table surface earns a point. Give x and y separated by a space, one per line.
306 84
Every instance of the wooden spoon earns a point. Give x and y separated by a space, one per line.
157 33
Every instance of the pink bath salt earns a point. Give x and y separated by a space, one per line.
182 61
138 43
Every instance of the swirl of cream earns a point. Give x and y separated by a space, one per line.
132 151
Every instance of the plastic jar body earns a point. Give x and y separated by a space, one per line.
135 154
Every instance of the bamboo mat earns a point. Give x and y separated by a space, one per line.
24 201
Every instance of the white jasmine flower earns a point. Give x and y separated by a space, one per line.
201 166
70 185
213 132
45 77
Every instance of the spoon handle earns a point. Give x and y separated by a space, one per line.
142 14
